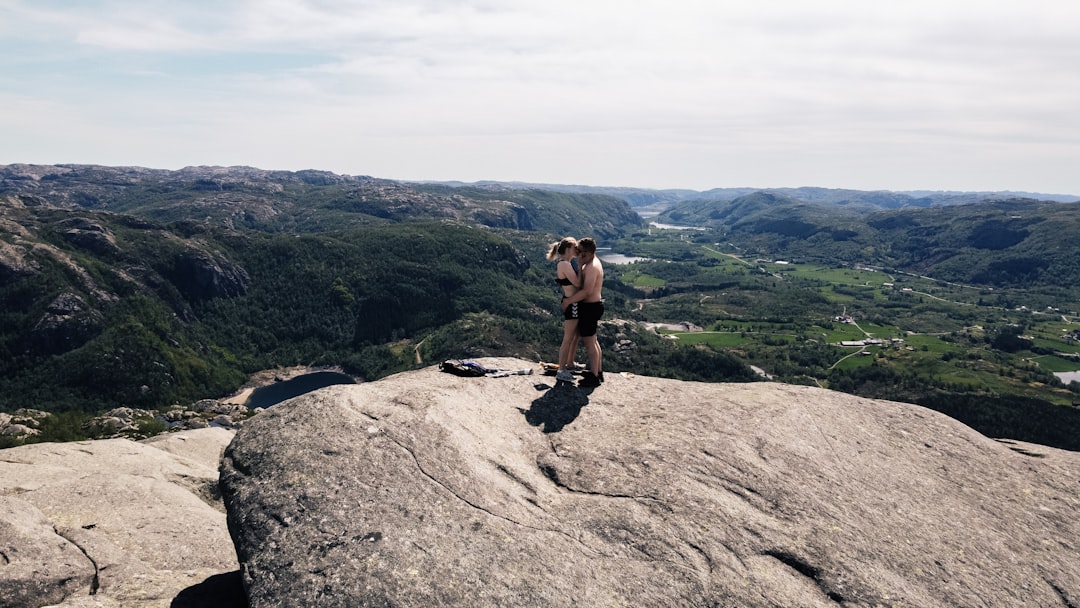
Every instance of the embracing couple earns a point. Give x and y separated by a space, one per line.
582 304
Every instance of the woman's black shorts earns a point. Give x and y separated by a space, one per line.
571 312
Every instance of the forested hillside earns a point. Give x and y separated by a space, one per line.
1016 242
144 288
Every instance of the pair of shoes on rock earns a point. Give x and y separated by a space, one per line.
564 375
591 379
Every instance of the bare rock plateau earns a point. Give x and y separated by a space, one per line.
427 489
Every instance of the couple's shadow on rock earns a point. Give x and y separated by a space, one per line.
219 591
557 407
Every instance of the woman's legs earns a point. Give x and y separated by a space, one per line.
569 344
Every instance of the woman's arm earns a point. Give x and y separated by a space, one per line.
566 271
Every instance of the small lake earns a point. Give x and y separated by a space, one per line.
674 227
608 257
1068 377
273 394
618 258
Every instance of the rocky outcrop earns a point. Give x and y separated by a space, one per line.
205 413
22 423
116 523
426 489
134 423
89 235
68 323
14 262
201 274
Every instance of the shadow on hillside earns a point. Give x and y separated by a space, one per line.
219 591
557 407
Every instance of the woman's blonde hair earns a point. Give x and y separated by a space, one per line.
557 249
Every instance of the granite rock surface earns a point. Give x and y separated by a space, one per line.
116 523
426 489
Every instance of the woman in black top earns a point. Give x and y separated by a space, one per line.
567 276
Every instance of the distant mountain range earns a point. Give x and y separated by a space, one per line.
661 199
127 189
989 238
304 201
993 238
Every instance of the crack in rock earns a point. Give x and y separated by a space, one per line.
552 473
505 471
1019 450
1061 594
708 559
811 572
96 583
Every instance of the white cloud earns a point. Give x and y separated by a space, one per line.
693 93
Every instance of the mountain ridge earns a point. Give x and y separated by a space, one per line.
308 201
635 196
654 197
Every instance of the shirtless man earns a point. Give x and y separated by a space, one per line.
590 309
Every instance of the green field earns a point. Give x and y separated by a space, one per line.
1055 364
719 339
642 280
855 361
833 276
929 343
783 319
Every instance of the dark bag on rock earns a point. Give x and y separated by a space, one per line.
469 369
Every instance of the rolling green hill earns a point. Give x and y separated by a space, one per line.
1012 243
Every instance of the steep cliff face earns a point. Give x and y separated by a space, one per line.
433 490
201 274
66 269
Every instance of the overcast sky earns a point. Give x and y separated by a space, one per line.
866 94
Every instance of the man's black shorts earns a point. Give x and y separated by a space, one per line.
590 313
